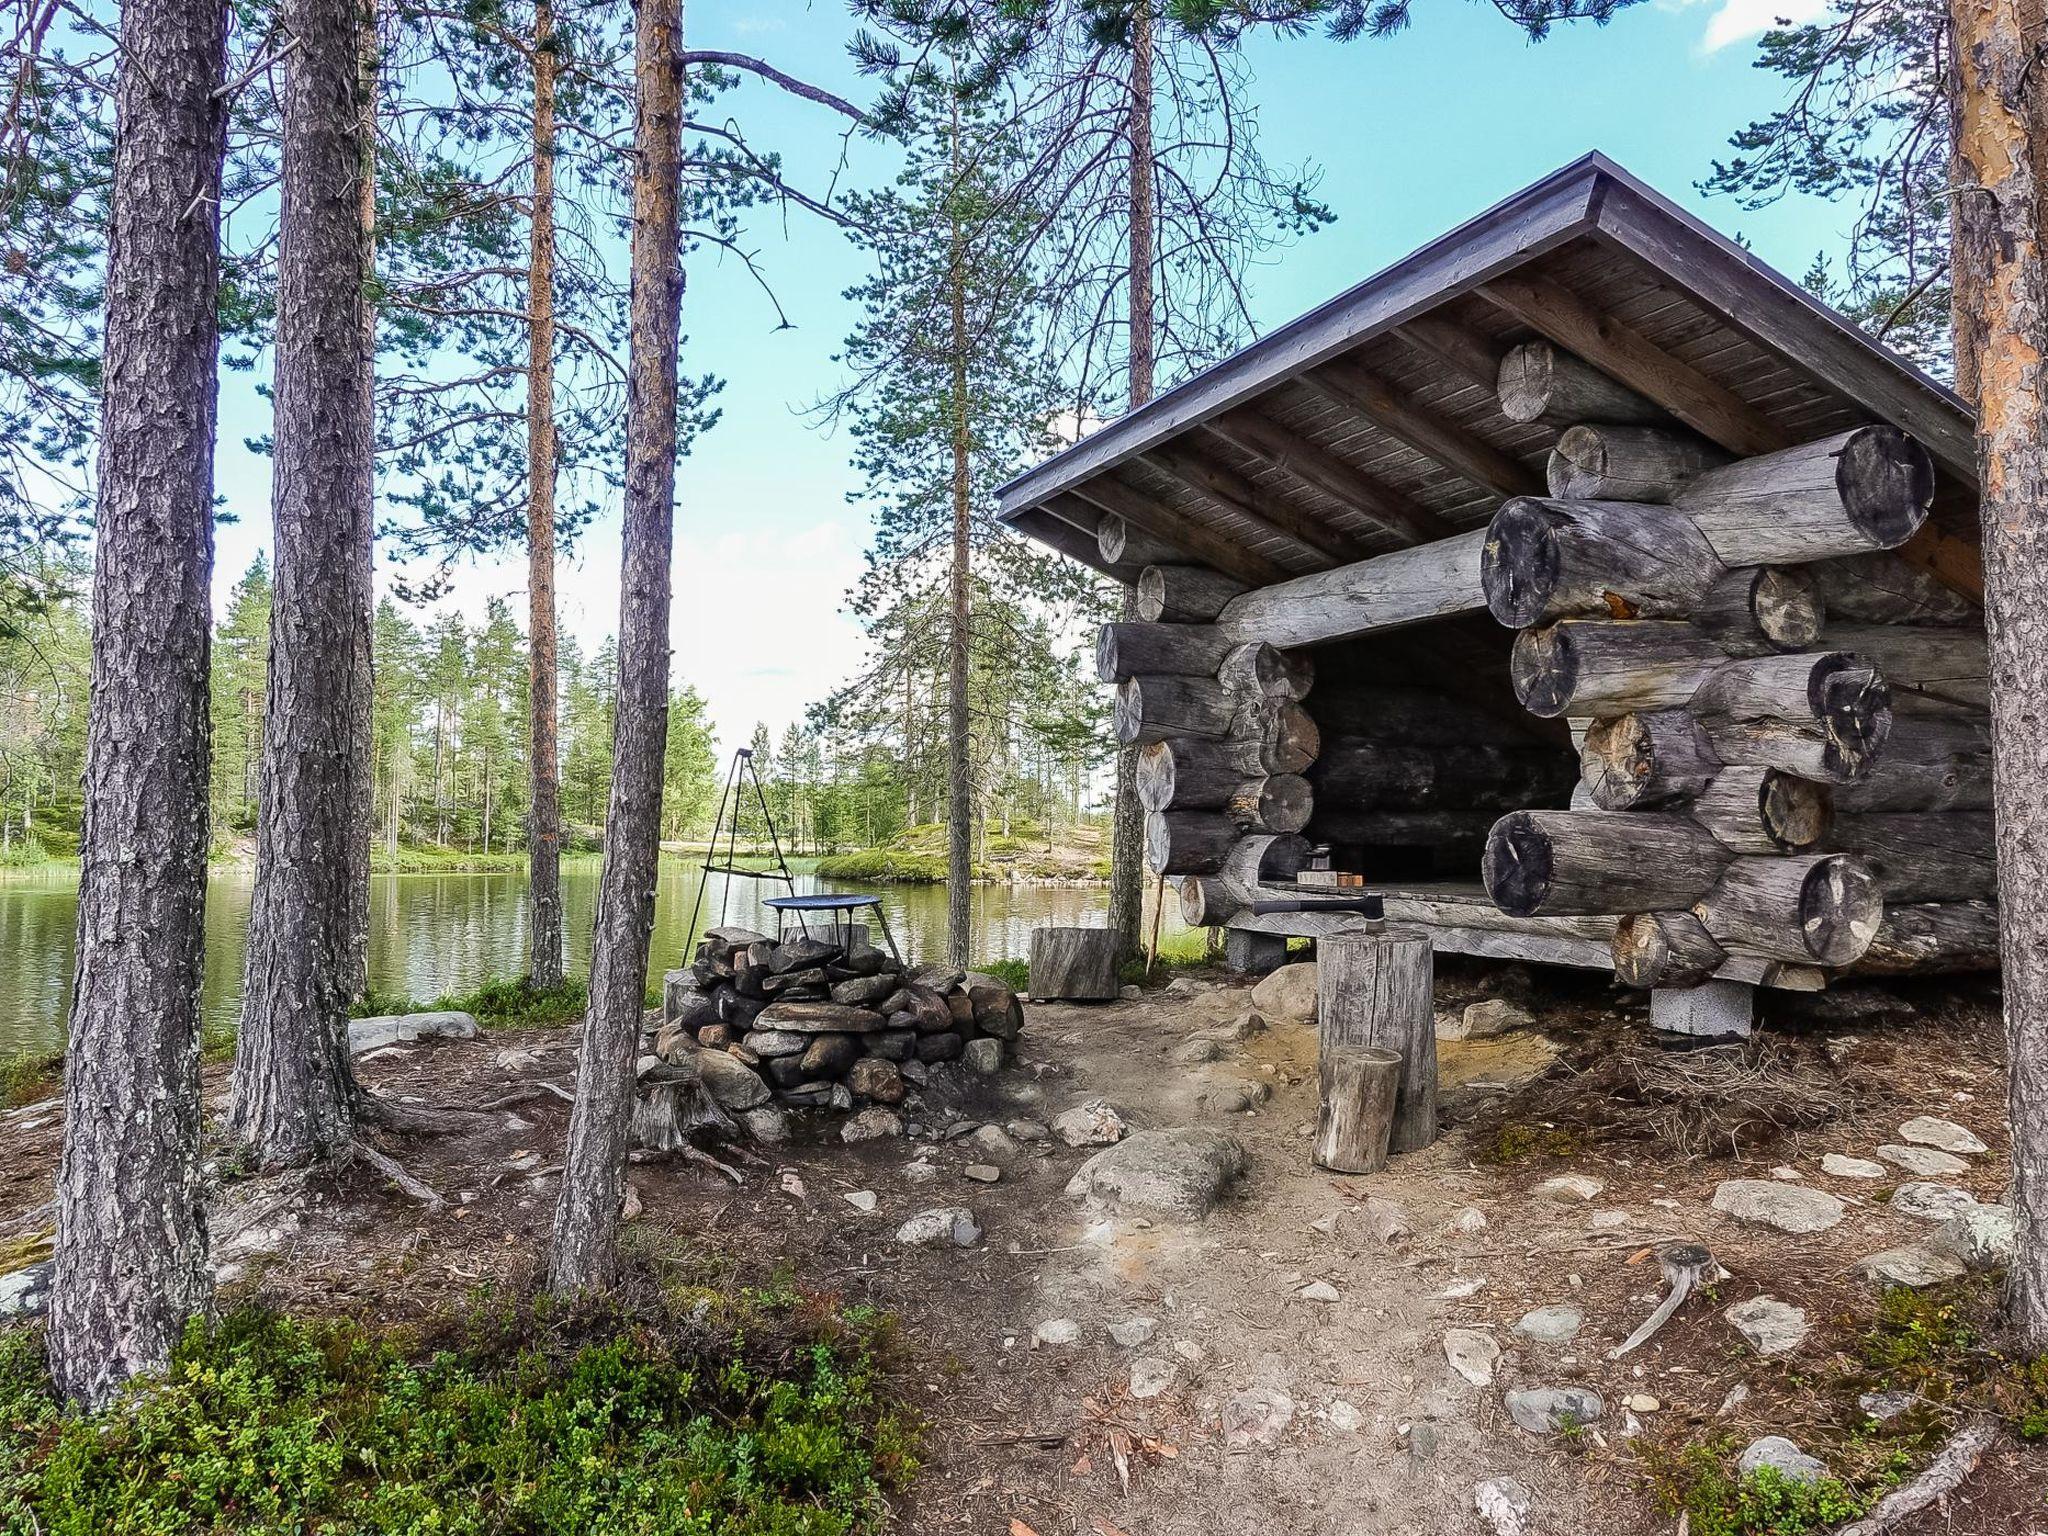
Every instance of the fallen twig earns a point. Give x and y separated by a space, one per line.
1944 1475
424 1193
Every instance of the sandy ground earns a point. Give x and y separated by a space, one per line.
1383 1437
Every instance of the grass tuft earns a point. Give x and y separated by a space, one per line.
501 1003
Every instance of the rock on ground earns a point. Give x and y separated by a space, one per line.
1258 1417
1931 1131
1057 1331
1505 1504
1567 1187
1982 1237
875 1123
407 1029
735 1085
1912 1266
1788 1207
1095 1123
1836 1165
1780 1454
1151 1376
1289 994
1928 1162
1133 1332
1772 1327
1545 1410
1472 1354
1931 1202
1180 1173
1554 1324
26 1292
947 1223
1484 1020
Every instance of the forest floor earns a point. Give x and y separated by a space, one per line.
1268 1410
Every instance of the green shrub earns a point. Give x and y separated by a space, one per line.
501 1003
528 1426
1696 1483
1014 974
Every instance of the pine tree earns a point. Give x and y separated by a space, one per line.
241 658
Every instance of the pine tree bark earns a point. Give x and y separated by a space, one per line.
959 785
131 1263
585 1251
1127 830
2000 118
544 797
365 748
294 1098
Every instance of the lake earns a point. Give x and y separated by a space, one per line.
431 934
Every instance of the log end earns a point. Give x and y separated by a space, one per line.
1618 763
1854 705
1517 865
1788 607
1841 904
1130 711
1519 565
1545 670
1524 382
1886 481
1151 591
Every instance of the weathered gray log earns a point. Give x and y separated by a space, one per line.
1665 949
1132 648
1279 802
1928 764
1543 862
1645 758
1820 909
1596 462
1881 588
1926 938
1248 953
1188 842
1357 1087
1762 811
1759 609
1357 773
1541 381
1184 594
1121 544
1405 586
1929 669
1925 856
1074 965
1865 489
1256 669
1377 989
1186 774
1624 560
1823 715
1282 732
1596 667
1209 900
1155 708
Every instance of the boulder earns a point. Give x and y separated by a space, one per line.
863 991
733 1084
1946 1135
928 1012
408 1029
1912 1266
874 1078
740 1012
1095 1123
953 1224
802 954
1782 1457
891 1044
819 1019
1772 1327
729 939
767 1125
983 1057
996 1009
1981 1237
875 1123
1546 1410
1227 1095
995 1144
767 1043
829 1055
932 1048
1484 1020
1289 994
1931 1202
1787 1207
1179 1173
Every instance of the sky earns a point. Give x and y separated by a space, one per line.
1413 134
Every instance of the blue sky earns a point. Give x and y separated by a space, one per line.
1413 134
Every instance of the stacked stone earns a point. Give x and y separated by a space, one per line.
827 1026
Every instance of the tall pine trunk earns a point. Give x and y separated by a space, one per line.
2001 308
294 1096
585 1252
364 748
1127 830
544 798
959 785
131 1221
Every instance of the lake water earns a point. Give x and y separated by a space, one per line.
431 934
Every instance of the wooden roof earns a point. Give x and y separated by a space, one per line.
1372 422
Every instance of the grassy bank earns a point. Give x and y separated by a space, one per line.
757 1420
502 1003
918 857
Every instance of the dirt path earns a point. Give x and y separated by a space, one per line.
1257 1408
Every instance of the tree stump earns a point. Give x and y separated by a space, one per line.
1074 965
1377 989
1358 1085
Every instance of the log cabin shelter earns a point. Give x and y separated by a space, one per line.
1577 581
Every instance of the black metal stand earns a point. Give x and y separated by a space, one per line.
735 791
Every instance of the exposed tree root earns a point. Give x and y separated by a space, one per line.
525 1093
1944 1475
360 1151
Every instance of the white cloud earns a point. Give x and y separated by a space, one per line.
1736 20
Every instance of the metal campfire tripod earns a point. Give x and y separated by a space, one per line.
736 778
